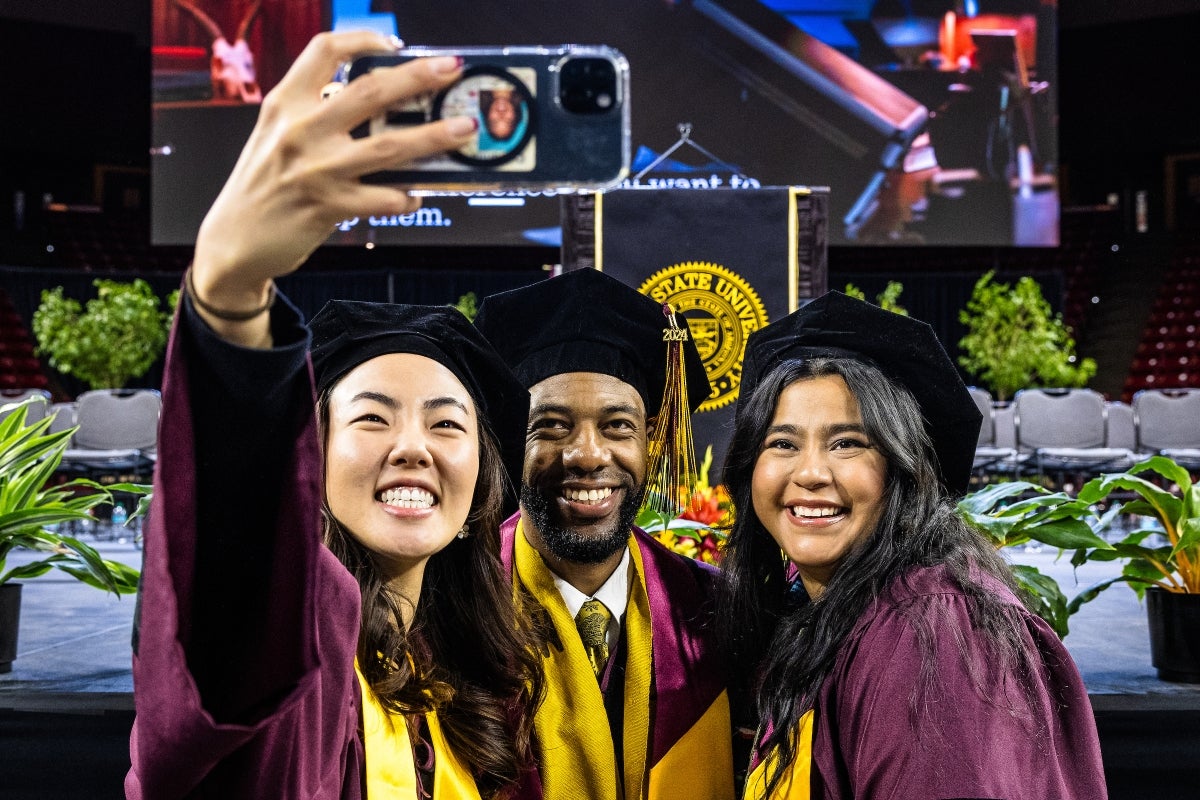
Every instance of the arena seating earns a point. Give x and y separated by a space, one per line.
1168 355
87 239
19 367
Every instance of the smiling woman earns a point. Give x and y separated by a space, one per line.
414 486
892 656
818 484
342 627
401 459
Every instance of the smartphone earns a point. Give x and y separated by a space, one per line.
549 118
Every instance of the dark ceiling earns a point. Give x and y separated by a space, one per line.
131 16
1124 72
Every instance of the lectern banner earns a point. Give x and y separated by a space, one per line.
728 260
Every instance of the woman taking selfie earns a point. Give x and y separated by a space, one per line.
323 613
889 654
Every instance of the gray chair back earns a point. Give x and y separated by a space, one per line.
1059 418
62 416
1120 429
111 419
1004 426
1167 419
38 402
987 429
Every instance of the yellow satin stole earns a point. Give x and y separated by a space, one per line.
575 745
390 770
571 726
794 785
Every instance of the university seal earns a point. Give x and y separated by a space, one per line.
721 310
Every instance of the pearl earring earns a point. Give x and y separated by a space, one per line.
464 532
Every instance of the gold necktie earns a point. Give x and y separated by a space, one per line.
592 622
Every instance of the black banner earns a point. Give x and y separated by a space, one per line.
728 260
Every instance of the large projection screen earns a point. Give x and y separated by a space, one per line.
928 126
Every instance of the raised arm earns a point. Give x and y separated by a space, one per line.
299 175
233 676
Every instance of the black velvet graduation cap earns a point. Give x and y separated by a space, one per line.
586 321
346 333
905 349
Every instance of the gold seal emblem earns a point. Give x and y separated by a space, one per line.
721 309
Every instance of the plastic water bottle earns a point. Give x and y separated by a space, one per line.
119 515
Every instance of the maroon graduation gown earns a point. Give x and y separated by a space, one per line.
882 732
247 626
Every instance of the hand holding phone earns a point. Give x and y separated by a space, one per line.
299 174
546 118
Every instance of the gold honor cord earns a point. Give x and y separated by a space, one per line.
672 473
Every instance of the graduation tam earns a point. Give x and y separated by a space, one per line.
586 321
347 333
905 349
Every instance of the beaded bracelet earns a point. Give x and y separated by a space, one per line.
219 313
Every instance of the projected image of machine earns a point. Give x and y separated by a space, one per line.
912 115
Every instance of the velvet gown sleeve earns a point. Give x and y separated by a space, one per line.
246 625
963 729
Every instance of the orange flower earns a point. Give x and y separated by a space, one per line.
711 506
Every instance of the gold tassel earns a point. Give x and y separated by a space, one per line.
672 475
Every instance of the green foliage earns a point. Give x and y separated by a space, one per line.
468 305
1015 341
1175 566
30 509
117 338
888 299
1014 513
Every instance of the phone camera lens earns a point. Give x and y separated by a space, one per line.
588 85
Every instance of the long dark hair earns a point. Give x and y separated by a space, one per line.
466 653
785 643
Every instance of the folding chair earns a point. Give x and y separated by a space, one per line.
62 416
1064 431
990 457
1168 423
118 434
1120 428
35 410
116 441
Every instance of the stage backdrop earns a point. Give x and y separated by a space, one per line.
728 260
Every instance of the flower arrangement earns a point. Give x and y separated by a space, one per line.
700 530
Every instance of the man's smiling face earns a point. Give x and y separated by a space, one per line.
585 464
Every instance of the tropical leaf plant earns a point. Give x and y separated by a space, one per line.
1017 512
31 509
1174 566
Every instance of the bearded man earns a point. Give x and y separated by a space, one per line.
636 703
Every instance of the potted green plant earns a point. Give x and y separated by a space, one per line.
1014 340
888 299
1161 558
1016 512
31 510
117 338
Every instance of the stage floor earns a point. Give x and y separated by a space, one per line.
70 689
